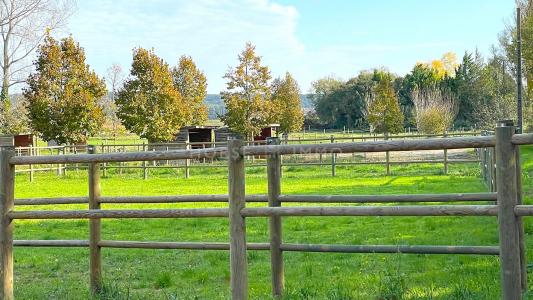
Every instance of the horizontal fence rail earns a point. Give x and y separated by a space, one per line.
508 207
408 249
458 197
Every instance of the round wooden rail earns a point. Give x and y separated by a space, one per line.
119 157
436 210
415 249
523 210
407 249
458 197
120 214
378 146
389 198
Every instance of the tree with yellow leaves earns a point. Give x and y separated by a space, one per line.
286 105
192 85
247 95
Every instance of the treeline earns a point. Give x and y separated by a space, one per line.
434 96
446 93
66 102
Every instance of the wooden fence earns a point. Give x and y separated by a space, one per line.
330 160
509 208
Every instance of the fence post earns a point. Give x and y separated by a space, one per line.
236 189
274 190
95 255
31 166
187 161
104 165
7 180
508 221
521 233
333 158
445 156
145 170
387 155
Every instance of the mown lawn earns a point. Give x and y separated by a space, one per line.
62 273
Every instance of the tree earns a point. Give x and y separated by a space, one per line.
114 79
148 103
192 85
287 107
498 98
15 120
342 104
247 95
384 113
63 93
468 88
435 109
23 25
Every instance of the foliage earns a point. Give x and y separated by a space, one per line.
435 109
148 103
63 93
247 95
384 113
498 101
14 120
286 105
192 85
342 104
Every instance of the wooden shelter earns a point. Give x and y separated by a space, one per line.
198 136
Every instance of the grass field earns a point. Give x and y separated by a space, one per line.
182 274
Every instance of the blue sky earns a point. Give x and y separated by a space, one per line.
311 39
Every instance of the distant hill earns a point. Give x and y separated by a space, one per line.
215 105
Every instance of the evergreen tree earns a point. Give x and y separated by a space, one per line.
384 113
63 93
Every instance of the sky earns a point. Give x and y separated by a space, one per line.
310 39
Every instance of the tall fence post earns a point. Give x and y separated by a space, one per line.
7 184
508 221
95 255
274 190
521 233
236 189
333 158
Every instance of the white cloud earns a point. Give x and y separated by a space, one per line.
212 32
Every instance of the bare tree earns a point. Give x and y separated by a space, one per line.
435 109
115 77
23 24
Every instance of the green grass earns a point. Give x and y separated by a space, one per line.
185 274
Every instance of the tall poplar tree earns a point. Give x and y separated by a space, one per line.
247 95
63 93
